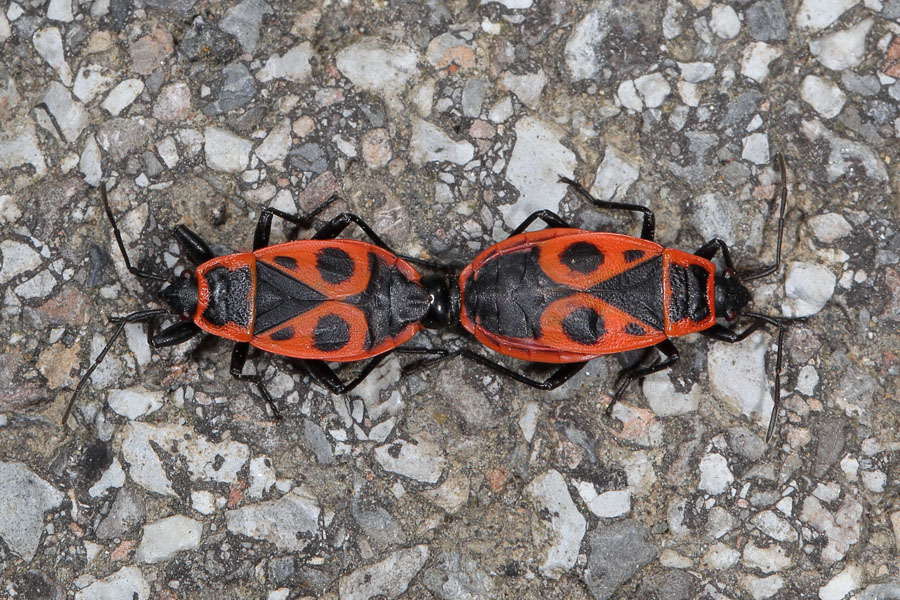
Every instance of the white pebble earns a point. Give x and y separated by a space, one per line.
823 95
724 21
614 175
756 149
756 58
842 584
48 43
167 537
607 505
628 96
226 151
696 72
807 380
819 14
653 88
715 476
807 288
122 96
91 81
842 49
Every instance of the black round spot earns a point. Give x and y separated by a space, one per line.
583 257
288 262
334 265
583 326
283 334
635 329
331 333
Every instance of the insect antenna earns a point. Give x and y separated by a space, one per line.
764 271
131 269
135 317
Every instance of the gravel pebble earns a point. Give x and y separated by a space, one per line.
807 289
163 539
738 376
226 151
70 116
24 498
389 578
127 582
48 43
379 67
843 49
537 161
560 537
244 20
756 59
122 96
288 522
173 103
91 81
419 459
848 580
18 258
724 21
823 95
617 551
294 65
715 476
819 14
428 143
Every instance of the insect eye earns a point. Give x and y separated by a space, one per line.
729 273
185 316
730 315
186 274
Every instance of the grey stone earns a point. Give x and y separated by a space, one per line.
309 157
19 146
741 108
24 498
318 443
745 443
766 20
182 7
206 42
617 552
457 577
288 522
234 88
128 510
389 578
672 584
121 136
830 436
473 95
243 22
864 85
376 523
152 166
881 591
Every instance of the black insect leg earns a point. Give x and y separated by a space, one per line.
135 317
561 375
639 370
238 359
724 334
264 225
547 216
334 227
709 249
648 230
112 220
193 245
763 271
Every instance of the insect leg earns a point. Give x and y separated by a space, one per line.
638 370
135 317
194 246
112 220
648 230
547 216
325 375
238 358
334 227
174 334
553 381
264 225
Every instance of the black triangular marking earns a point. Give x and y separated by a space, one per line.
638 291
280 298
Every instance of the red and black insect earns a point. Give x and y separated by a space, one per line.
564 296
314 301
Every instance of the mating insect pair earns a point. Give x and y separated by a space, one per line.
560 295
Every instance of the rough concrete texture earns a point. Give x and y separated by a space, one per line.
443 124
